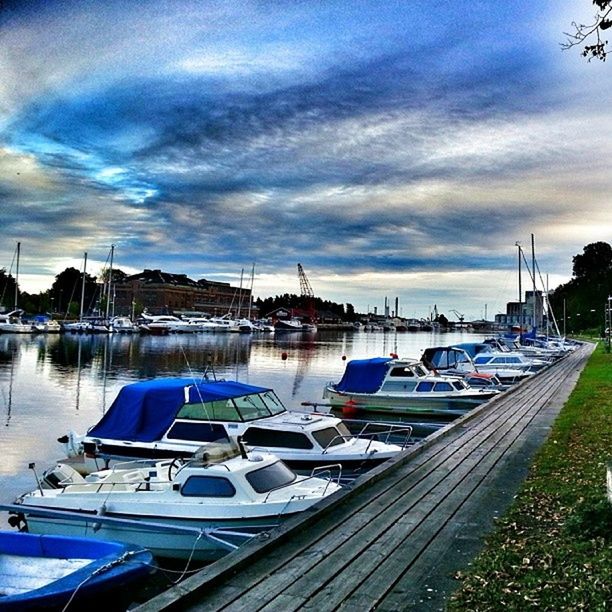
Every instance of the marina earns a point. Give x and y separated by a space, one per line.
397 537
56 383
77 378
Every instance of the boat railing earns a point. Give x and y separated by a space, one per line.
382 434
385 431
320 472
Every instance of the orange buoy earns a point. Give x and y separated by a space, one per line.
284 356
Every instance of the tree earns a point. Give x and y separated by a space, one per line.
593 32
584 297
7 290
595 261
66 290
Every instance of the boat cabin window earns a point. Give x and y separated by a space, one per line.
330 436
199 432
403 371
424 386
443 386
270 477
207 486
256 436
459 385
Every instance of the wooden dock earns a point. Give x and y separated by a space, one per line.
395 539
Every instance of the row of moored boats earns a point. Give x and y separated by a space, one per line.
191 469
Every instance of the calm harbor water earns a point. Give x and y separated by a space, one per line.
52 384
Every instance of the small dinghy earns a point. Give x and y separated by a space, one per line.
49 572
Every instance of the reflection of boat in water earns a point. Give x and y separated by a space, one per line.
174 417
197 509
384 384
49 572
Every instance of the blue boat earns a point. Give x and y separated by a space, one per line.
49 572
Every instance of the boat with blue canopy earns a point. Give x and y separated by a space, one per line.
385 384
174 417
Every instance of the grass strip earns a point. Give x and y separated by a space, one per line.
552 550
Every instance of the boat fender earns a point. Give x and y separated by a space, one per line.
101 511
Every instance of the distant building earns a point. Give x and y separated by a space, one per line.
163 293
520 314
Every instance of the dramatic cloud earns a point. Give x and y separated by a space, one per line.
395 149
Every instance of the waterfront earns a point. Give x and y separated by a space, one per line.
52 384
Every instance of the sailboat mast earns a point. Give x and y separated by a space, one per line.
240 295
109 281
520 289
251 294
17 276
535 302
83 287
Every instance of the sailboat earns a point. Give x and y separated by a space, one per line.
11 322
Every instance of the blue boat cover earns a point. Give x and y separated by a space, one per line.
143 411
363 375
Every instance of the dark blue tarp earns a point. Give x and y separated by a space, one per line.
143 411
363 375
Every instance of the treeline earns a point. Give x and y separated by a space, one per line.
64 296
584 298
292 302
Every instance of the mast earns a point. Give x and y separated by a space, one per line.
535 302
240 295
83 288
109 282
520 290
17 276
251 294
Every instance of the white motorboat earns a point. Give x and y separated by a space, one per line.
384 384
174 417
164 324
11 323
45 325
197 509
123 325
221 324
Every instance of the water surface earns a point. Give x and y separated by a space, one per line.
52 384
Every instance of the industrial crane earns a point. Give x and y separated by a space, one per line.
459 315
307 294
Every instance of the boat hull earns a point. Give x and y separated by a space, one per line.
192 543
404 404
43 572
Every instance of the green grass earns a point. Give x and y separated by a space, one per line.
553 549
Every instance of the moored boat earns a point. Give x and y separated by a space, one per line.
198 509
49 572
174 417
384 384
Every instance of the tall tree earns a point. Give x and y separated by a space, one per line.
66 291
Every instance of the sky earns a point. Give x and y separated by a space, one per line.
396 149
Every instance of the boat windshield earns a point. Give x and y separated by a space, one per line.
271 477
244 408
